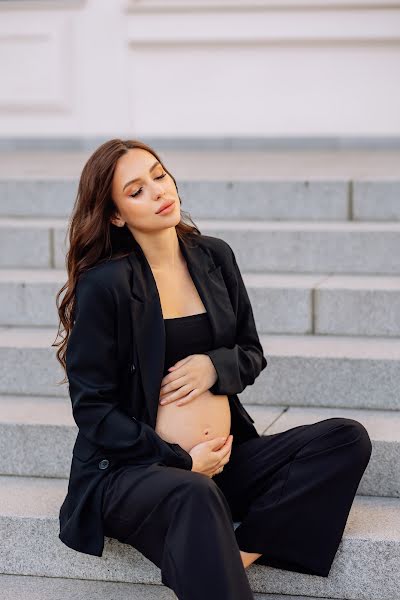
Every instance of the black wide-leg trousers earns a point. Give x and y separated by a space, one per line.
292 492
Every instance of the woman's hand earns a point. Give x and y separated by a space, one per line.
210 457
188 378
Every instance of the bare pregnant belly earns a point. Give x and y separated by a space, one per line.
207 416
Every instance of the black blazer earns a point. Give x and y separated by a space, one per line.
115 364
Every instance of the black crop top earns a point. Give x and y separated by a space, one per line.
191 334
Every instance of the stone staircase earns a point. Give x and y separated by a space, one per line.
320 257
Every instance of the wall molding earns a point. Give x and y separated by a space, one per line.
199 6
35 5
32 43
62 144
244 28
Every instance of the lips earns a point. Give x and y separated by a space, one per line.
164 205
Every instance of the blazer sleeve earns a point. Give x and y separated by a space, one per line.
239 366
91 366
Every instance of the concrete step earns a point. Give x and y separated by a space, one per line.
320 243
368 552
297 199
282 184
28 587
330 371
282 302
229 163
283 246
325 304
311 247
29 426
28 296
303 370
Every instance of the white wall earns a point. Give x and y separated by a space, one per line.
199 68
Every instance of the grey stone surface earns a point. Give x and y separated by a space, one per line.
363 305
28 297
282 302
285 246
26 587
60 247
275 162
309 247
37 197
264 416
30 426
376 200
309 270
24 245
331 371
28 363
369 550
348 371
301 199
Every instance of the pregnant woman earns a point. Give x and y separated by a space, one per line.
205 416
160 339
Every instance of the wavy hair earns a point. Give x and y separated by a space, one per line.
92 238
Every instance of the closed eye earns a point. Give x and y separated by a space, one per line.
140 189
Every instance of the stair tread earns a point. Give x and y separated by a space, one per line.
382 425
339 346
331 346
277 279
238 225
16 587
35 410
217 164
371 517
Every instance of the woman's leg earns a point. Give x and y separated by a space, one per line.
293 492
181 521
249 557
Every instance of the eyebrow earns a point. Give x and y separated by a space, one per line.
139 178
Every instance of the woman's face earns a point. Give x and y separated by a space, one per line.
138 201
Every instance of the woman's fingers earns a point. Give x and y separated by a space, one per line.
224 452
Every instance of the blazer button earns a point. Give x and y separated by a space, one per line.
133 368
103 464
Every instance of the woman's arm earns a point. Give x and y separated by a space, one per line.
239 366
91 365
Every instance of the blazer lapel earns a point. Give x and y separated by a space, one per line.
148 331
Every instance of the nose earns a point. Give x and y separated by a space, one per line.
159 193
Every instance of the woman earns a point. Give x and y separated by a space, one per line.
160 340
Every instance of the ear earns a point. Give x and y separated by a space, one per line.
117 221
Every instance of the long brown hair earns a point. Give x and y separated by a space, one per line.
91 235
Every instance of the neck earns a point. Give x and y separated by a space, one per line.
161 249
